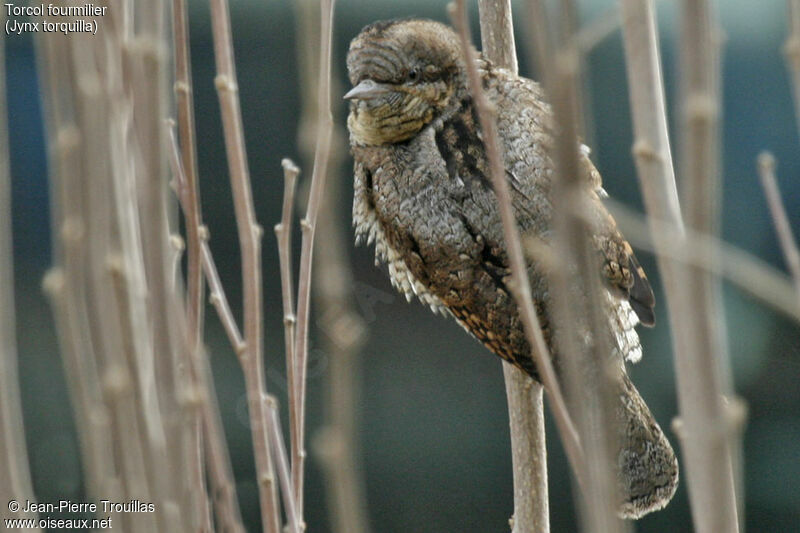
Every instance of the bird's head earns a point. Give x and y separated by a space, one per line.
404 73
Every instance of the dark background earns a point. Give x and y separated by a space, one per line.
434 425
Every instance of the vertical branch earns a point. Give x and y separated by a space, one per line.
528 451
791 50
218 457
651 149
282 464
699 152
701 72
308 224
147 60
99 287
705 422
65 282
766 170
194 219
593 377
283 231
250 242
13 453
524 395
520 285
497 34
336 443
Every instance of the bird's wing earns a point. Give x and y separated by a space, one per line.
525 125
622 271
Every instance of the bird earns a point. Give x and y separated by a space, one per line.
424 197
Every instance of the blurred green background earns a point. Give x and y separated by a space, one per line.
433 417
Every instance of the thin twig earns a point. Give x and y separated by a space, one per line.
520 284
194 268
766 170
318 178
177 246
524 396
119 384
220 471
250 233
283 231
336 443
539 35
747 272
194 219
173 375
217 294
497 34
218 299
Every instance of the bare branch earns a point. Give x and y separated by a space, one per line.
283 231
701 71
217 298
318 178
194 219
520 284
497 33
250 232
593 377
748 273
766 170
282 463
524 396
528 451
220 470
705 440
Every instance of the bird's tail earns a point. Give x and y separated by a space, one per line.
647 469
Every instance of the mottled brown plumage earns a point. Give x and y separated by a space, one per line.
423 195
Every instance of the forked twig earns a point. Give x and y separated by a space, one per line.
252 358
282 463
217 294
220 471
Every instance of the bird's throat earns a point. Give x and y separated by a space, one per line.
371 127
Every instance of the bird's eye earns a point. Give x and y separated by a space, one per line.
413 74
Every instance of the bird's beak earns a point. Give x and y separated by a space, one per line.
367 89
